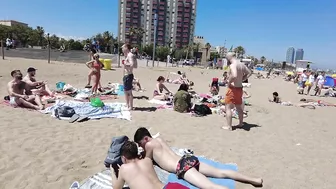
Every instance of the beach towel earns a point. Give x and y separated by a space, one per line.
110 110
102 180
223 182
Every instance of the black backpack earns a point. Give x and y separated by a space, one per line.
64 111
202 110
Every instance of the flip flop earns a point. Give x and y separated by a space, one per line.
88 86
82 119
74 118
74 185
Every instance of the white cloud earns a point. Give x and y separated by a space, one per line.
66 37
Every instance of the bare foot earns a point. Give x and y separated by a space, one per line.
258 182
227 128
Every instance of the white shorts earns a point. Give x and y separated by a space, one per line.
12 101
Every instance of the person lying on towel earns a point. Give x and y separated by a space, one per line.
187 167
137 173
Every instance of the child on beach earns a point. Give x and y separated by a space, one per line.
214 87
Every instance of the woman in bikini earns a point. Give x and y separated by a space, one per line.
95 65
158 92
91 57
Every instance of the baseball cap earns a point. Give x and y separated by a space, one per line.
31 69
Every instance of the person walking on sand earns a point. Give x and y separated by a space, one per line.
237 73
129 63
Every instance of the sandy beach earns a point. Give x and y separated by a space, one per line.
289 147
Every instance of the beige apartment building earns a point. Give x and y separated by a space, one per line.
12 23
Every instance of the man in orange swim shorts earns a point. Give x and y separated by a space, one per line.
238 72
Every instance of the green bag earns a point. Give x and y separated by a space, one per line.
96 102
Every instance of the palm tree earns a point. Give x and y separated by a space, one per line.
262 59
240 51
40 32
207 48
187 49
107 40
137 33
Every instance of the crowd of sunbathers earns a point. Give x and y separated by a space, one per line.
138 170
27 91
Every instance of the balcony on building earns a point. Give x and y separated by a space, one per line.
186 20
128 5
135 5
186 15
128 15
135 0
160 28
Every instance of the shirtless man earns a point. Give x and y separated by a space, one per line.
129 63
17 97
237 73
187 167
137 173
38 87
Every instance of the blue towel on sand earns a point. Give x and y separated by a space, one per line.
223 182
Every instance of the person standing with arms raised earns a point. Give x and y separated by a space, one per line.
129 64
237 73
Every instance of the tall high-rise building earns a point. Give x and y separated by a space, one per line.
299 54
290 55
175 21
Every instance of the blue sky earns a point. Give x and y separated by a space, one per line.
264 27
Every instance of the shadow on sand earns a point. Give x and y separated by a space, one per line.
141 97
145 109
246 126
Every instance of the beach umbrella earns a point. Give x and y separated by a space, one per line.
329 81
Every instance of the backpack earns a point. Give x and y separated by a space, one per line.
202 110
64 111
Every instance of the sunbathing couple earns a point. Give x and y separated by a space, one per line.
27 92
139 173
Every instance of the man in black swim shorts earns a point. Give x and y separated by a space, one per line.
129 63
186 162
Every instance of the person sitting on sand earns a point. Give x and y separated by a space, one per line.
95 66
16 91
182 99
158 92
34 86
224 79
137 173
187 167
179 80
137 85
92 73
214 87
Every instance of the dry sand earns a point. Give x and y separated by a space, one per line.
289 147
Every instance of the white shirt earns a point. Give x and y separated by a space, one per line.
320 80
304 77
311 79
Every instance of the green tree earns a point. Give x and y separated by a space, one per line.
148 49
4 32
214 55
240 51
54 41
187 49
41 36
162 53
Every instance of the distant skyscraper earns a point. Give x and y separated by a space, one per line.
299 54
290 55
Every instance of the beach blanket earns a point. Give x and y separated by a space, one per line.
110 110
160 102
103 179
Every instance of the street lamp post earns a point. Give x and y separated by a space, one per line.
48 40
155 29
